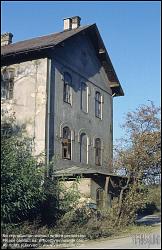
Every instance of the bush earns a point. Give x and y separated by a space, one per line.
21 178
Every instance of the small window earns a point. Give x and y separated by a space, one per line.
7 84
67 88
6 130
98 151
66 143
98 103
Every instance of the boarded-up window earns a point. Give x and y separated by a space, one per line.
67 88
66 143
98 102
99 197
84 97
83 148
98 151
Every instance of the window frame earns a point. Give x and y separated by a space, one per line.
67 91
7 88
98 105
98 152
66 143
84 106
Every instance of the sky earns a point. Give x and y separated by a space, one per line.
130 31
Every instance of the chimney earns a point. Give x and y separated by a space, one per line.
67 23
6 39
71 22
75 22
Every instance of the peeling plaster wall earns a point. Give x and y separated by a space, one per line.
29 99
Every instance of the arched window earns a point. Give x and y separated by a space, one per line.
98 151
84 97
67 88
83 148
66 143
98 105
99 197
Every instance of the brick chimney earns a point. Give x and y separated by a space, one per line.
6 38
71 22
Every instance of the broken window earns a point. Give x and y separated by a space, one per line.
84 97
7 84
67 88
98 151
66 143
98 103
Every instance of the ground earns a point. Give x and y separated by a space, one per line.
147 236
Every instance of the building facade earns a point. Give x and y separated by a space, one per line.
61 88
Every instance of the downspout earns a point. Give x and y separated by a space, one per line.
47 116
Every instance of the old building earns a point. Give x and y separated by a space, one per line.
61 86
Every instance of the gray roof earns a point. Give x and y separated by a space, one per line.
82 170
40 42
36 46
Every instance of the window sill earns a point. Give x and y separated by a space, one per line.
84 112
68 103
100 118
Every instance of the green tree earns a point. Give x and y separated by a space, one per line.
21 176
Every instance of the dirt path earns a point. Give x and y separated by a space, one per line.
136 241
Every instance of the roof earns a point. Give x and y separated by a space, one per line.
82 170
41 44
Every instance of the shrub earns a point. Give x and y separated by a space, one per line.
21 178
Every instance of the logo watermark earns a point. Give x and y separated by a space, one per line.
146 240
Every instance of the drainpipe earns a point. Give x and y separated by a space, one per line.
47 115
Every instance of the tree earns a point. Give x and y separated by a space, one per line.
21 177
139 155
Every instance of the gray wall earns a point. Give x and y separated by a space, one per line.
77 57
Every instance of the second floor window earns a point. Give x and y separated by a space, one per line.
66 143
7 84
84 97
67 95
7 89
98 105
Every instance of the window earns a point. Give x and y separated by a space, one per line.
98 151
67 88
7 84
6 130
83 148
84 97
98 102
66 143
99 197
